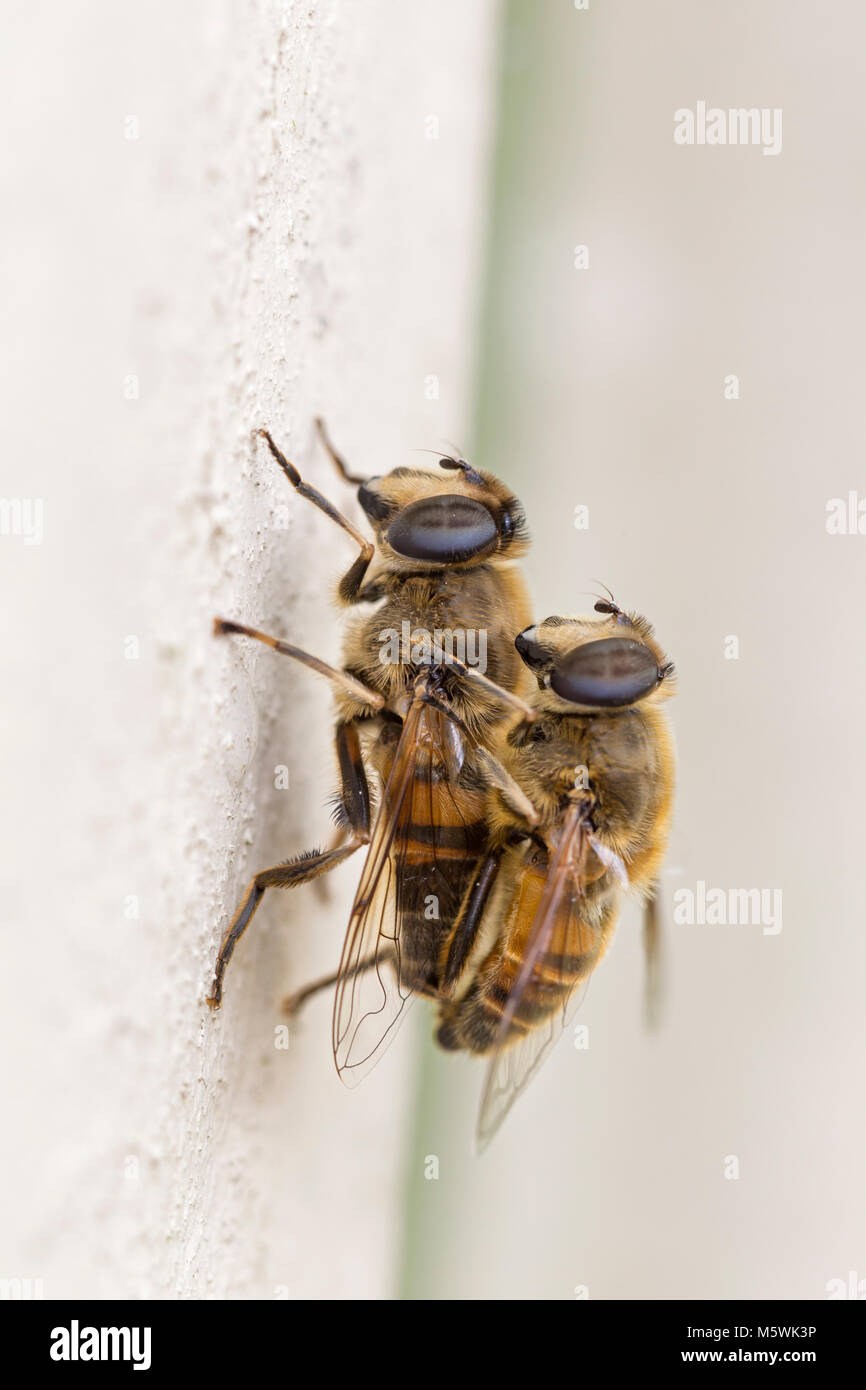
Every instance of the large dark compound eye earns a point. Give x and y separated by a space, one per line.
613 672
442 529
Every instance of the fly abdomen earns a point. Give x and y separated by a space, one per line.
531 999
439 848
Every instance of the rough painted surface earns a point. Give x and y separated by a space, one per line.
278 237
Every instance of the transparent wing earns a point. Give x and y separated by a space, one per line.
561 953
422 849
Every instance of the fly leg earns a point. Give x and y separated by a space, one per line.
472 673
461 940
321 886
512 794
355 810
343 679
293 1003
350 587
337 459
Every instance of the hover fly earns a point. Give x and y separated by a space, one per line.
597 765
442 561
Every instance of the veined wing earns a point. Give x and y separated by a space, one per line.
426 841
562 951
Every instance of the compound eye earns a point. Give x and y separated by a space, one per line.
444 530
373 502
529 649
608 674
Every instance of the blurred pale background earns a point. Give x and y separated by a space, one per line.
605 387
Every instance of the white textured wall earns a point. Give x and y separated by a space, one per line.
280 239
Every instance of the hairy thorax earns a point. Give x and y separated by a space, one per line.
472 614
620 758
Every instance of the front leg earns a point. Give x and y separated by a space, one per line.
472 673
352 582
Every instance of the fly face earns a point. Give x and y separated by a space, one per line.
423 519
585 665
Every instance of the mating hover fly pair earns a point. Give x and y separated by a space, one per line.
514 805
